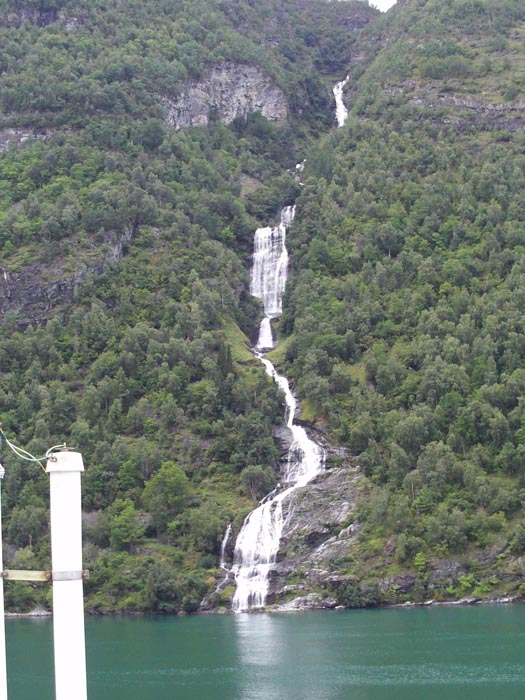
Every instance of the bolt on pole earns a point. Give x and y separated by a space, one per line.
64 469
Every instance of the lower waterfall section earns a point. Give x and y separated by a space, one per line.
258 542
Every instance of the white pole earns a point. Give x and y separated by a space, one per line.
3 669
64 469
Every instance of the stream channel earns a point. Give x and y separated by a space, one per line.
257 544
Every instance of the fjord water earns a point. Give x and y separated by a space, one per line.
471 653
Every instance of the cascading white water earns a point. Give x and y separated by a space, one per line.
270 265
258 541
225 539
341 112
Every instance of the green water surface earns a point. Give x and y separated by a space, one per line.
471 653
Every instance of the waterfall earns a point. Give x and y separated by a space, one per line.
258 541
269 270
222 561
257 544
341 112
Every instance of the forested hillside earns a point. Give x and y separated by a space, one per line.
405 313
126 318
125 247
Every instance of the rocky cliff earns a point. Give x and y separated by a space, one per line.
39 16
10 137
38 290
230 90
322 532
320 535
464 111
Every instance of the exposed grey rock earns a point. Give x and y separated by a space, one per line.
505 600
36 612
249 184
488 557
472 103
230 90
69 22
37 291
13 137
312 601
320 531
38 16
465 111
445 572
404 583
284 436
90 519
427 94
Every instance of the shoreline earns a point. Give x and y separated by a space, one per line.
37 613
460 602
504 600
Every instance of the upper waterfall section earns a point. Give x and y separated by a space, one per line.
270 271
341 112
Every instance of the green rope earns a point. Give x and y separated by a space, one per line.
21 453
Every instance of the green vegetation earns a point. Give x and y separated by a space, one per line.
125 247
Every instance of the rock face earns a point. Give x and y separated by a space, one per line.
12 137
230 91
39 16
465 111
321 531
37 291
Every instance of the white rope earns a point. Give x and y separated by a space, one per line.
52 449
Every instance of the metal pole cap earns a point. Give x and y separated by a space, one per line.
65 462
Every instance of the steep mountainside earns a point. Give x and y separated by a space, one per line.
405 312
124 268
141 144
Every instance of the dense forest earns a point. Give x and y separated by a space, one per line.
405 313
126 314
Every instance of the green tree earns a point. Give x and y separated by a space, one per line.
166 494
28 524
126 530
258 480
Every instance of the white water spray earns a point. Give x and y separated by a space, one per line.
341 112
269 271
225 539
